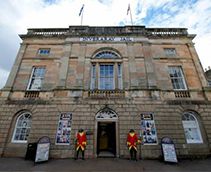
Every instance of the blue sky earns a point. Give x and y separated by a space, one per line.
18 15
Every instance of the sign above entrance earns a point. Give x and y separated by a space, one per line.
106 39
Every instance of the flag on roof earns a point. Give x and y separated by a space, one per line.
128 9
81 10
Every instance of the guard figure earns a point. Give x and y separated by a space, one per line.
80 143
132 141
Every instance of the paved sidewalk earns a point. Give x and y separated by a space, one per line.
104 165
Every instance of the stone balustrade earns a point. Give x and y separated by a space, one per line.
86 30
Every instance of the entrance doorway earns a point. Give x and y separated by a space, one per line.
106 139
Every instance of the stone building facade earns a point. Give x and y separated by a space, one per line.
106 80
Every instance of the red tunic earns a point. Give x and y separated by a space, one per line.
81 141
132 140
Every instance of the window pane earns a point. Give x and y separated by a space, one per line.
119 76
170 51
22 129
191 128
106 77
177 78
93 77
44 51
106 54
37 78
192 135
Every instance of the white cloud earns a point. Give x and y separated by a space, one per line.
18 15
3 77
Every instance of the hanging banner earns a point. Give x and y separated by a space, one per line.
148 130
64 129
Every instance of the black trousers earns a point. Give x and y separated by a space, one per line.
82 152
133 152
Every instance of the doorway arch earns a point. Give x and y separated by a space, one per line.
106 133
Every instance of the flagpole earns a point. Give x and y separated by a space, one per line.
131 17
81 13
82 17
129 10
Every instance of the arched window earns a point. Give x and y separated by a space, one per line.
106 71
106 55
22 128
191 128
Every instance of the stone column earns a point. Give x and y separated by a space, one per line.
15 68
64 66
150 70
198 65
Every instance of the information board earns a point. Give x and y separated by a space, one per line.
43 147
168 149
169 153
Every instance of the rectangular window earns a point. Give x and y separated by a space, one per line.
177 78
148 129
105 75
106 79
37 77
93 77
170 52
119 76
44 51
64 129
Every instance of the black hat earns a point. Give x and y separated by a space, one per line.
80 130
132 131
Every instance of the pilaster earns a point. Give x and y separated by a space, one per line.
149 66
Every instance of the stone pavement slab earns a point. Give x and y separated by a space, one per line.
103 165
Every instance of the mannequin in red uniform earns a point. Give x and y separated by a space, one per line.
132 141
80 143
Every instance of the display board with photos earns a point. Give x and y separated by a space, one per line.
43 147
64 129
148 129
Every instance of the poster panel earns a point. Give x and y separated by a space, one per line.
64 129
148 129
